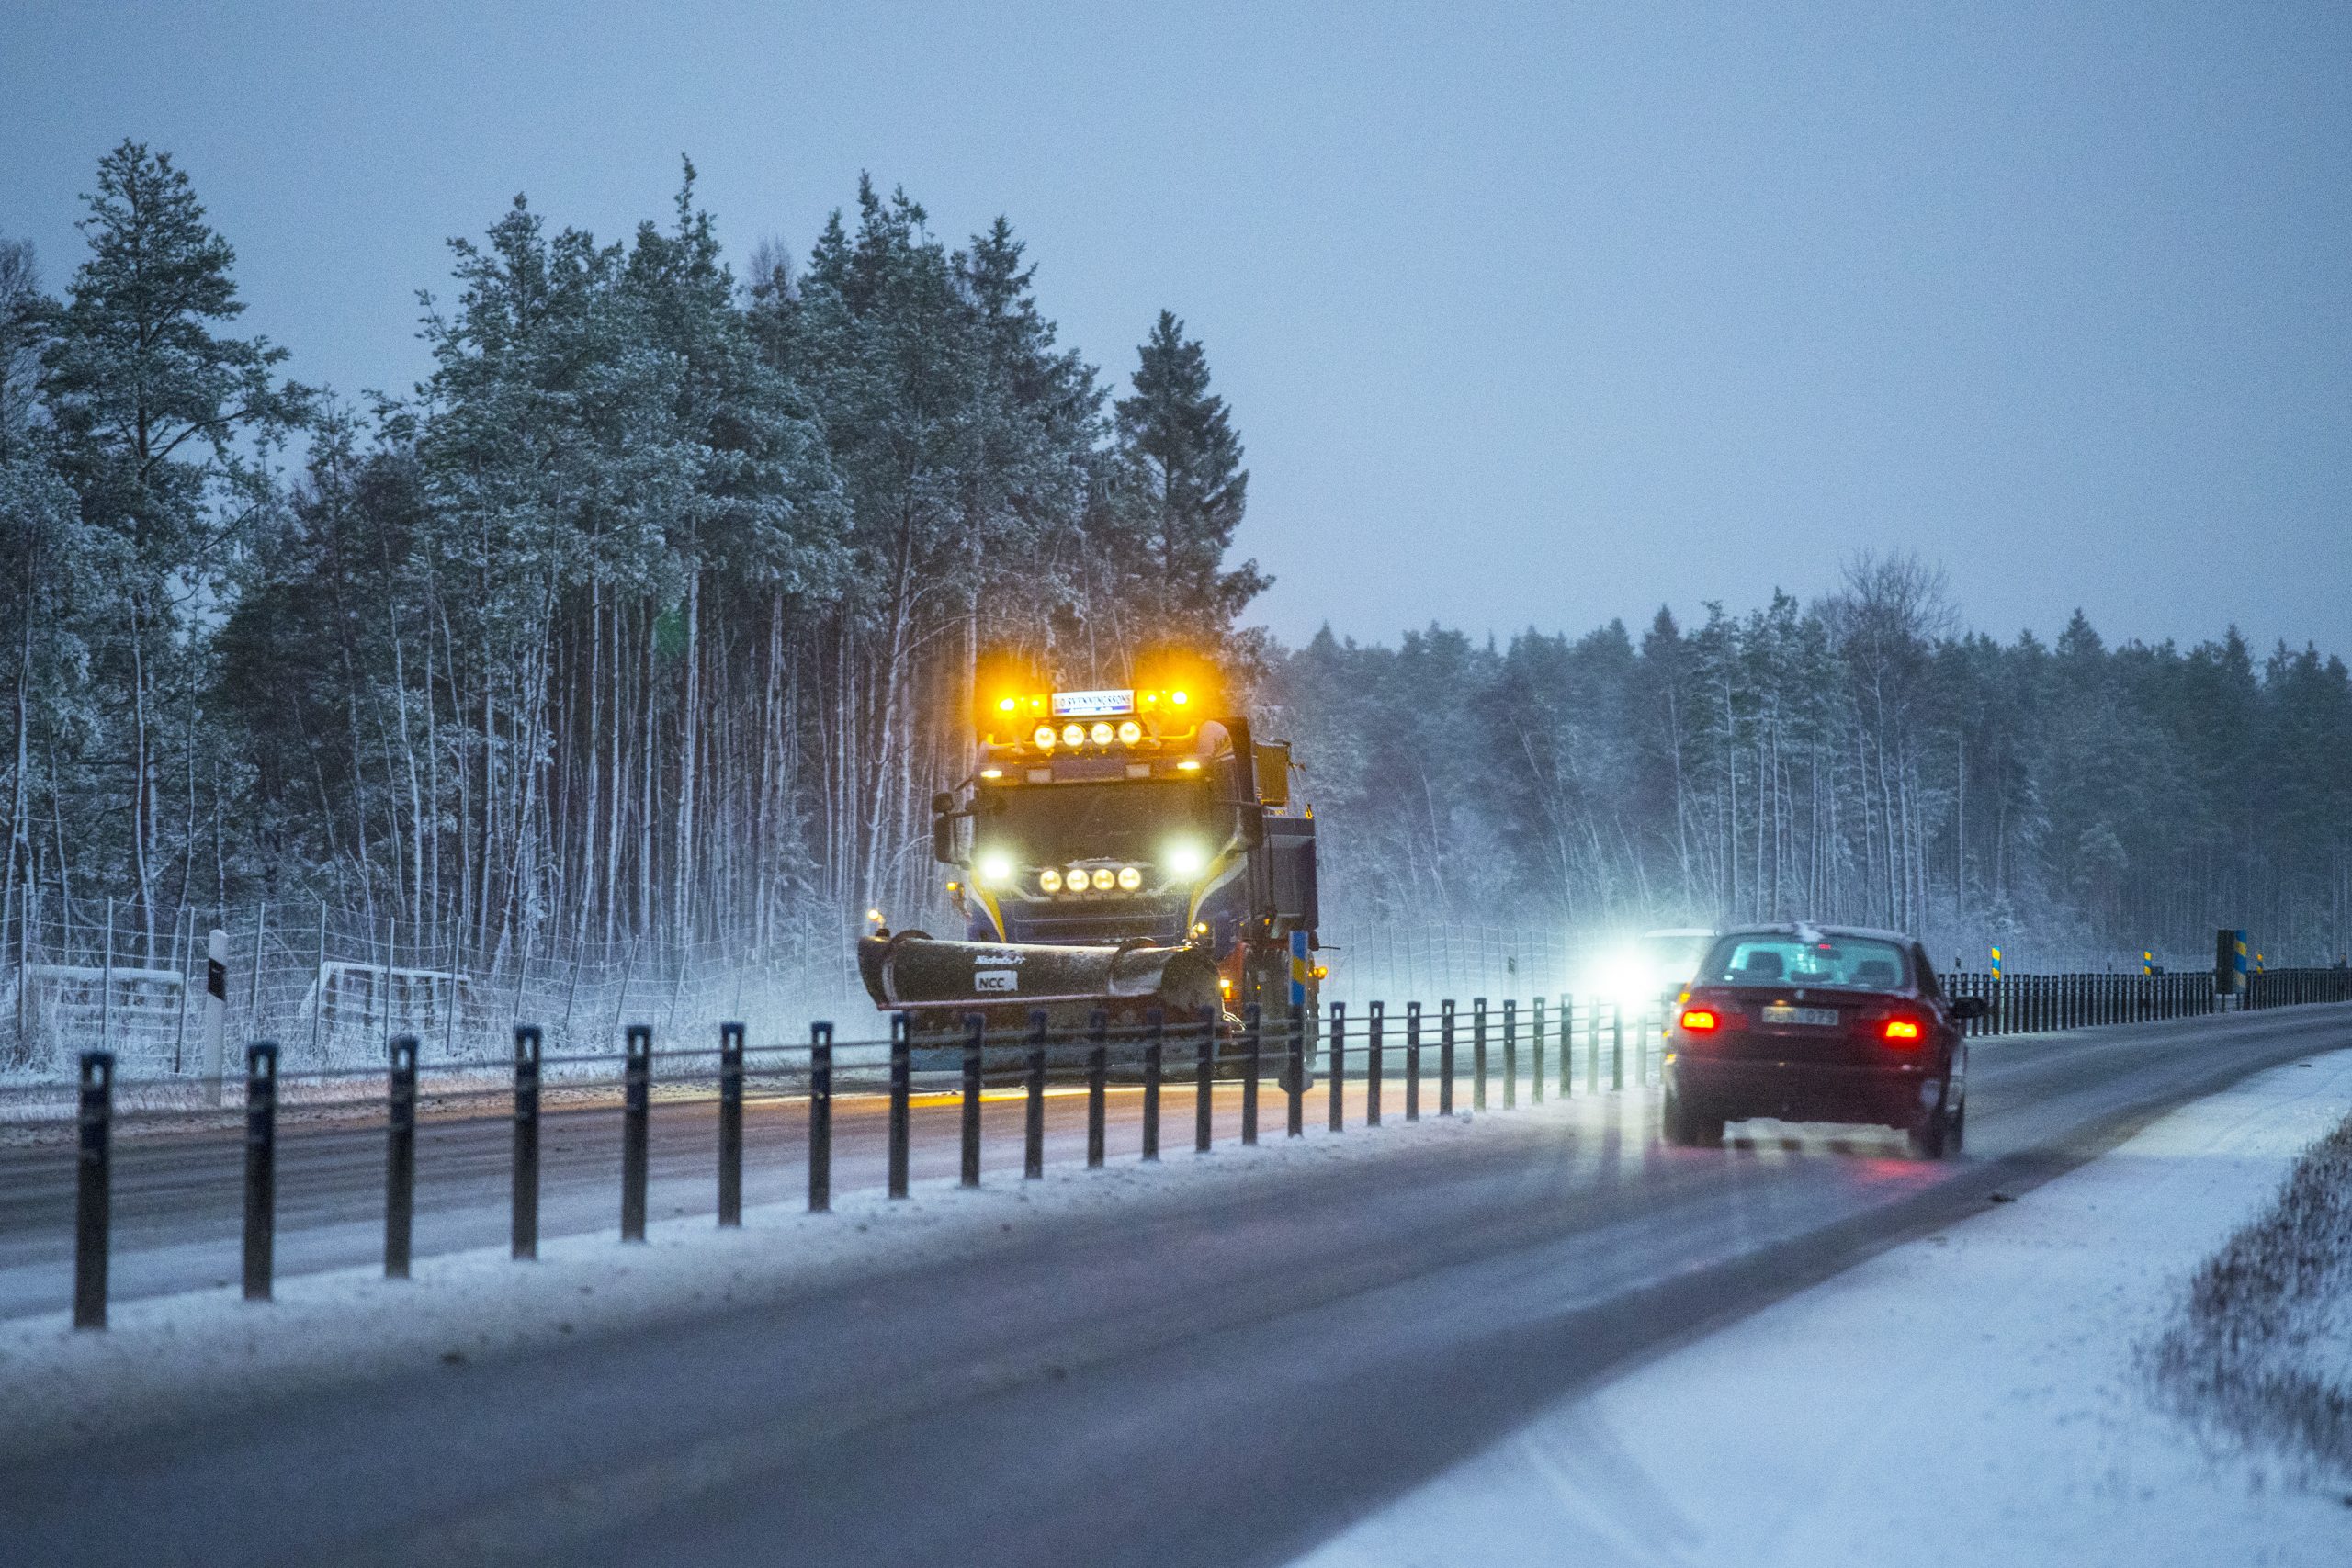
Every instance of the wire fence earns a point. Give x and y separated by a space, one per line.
334 987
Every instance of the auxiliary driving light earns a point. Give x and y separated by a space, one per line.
1130 878
1104 880
1044 737
1074 735
1101 733
1130 732
1074 879
1050 880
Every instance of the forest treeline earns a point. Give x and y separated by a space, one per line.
1858 759
651 613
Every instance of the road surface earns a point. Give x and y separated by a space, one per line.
1222 1384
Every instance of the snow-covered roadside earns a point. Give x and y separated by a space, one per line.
198 1355
1978 1396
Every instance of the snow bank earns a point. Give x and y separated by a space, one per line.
1976 1396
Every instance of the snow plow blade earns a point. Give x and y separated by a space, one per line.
941 983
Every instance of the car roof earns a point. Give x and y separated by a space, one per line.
1790 928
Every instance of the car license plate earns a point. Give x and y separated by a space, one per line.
1819 1018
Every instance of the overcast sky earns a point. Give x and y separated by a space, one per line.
1529 316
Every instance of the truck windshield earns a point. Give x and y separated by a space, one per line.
1137 820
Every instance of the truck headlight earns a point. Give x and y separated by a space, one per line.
1186 859
996 868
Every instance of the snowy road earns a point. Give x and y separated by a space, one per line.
1222 1383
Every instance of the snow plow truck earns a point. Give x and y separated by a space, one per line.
1124 850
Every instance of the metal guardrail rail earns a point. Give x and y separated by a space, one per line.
1497 1052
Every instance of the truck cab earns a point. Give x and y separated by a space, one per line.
1121 815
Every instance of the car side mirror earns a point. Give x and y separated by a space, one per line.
1967 1008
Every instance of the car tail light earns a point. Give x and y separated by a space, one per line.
1901 1031
1699 1020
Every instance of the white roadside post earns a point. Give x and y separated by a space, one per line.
216 1009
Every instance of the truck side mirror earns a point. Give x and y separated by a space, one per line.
942 838
942 804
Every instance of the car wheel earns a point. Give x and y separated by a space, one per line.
1679 1127
1956 1137
1926 1133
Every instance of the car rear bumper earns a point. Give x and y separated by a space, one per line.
1736 1089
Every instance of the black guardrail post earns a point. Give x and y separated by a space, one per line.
1098 1063
1445 1064
901 1082
637 1097
1205 1085
1511 1054
1593 1047
730 1126
94 1190
1535 1054
1253 1062
525 1225
975 1044
261 1168
1412 1061
1336 1054
400 1157
1477 1053
1567 1044
1617 1045
1372 1062
1032 1131
820 1117
1294 1080
1155 1038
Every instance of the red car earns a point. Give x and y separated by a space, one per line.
1818 1023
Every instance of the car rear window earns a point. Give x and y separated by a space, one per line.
1850 962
